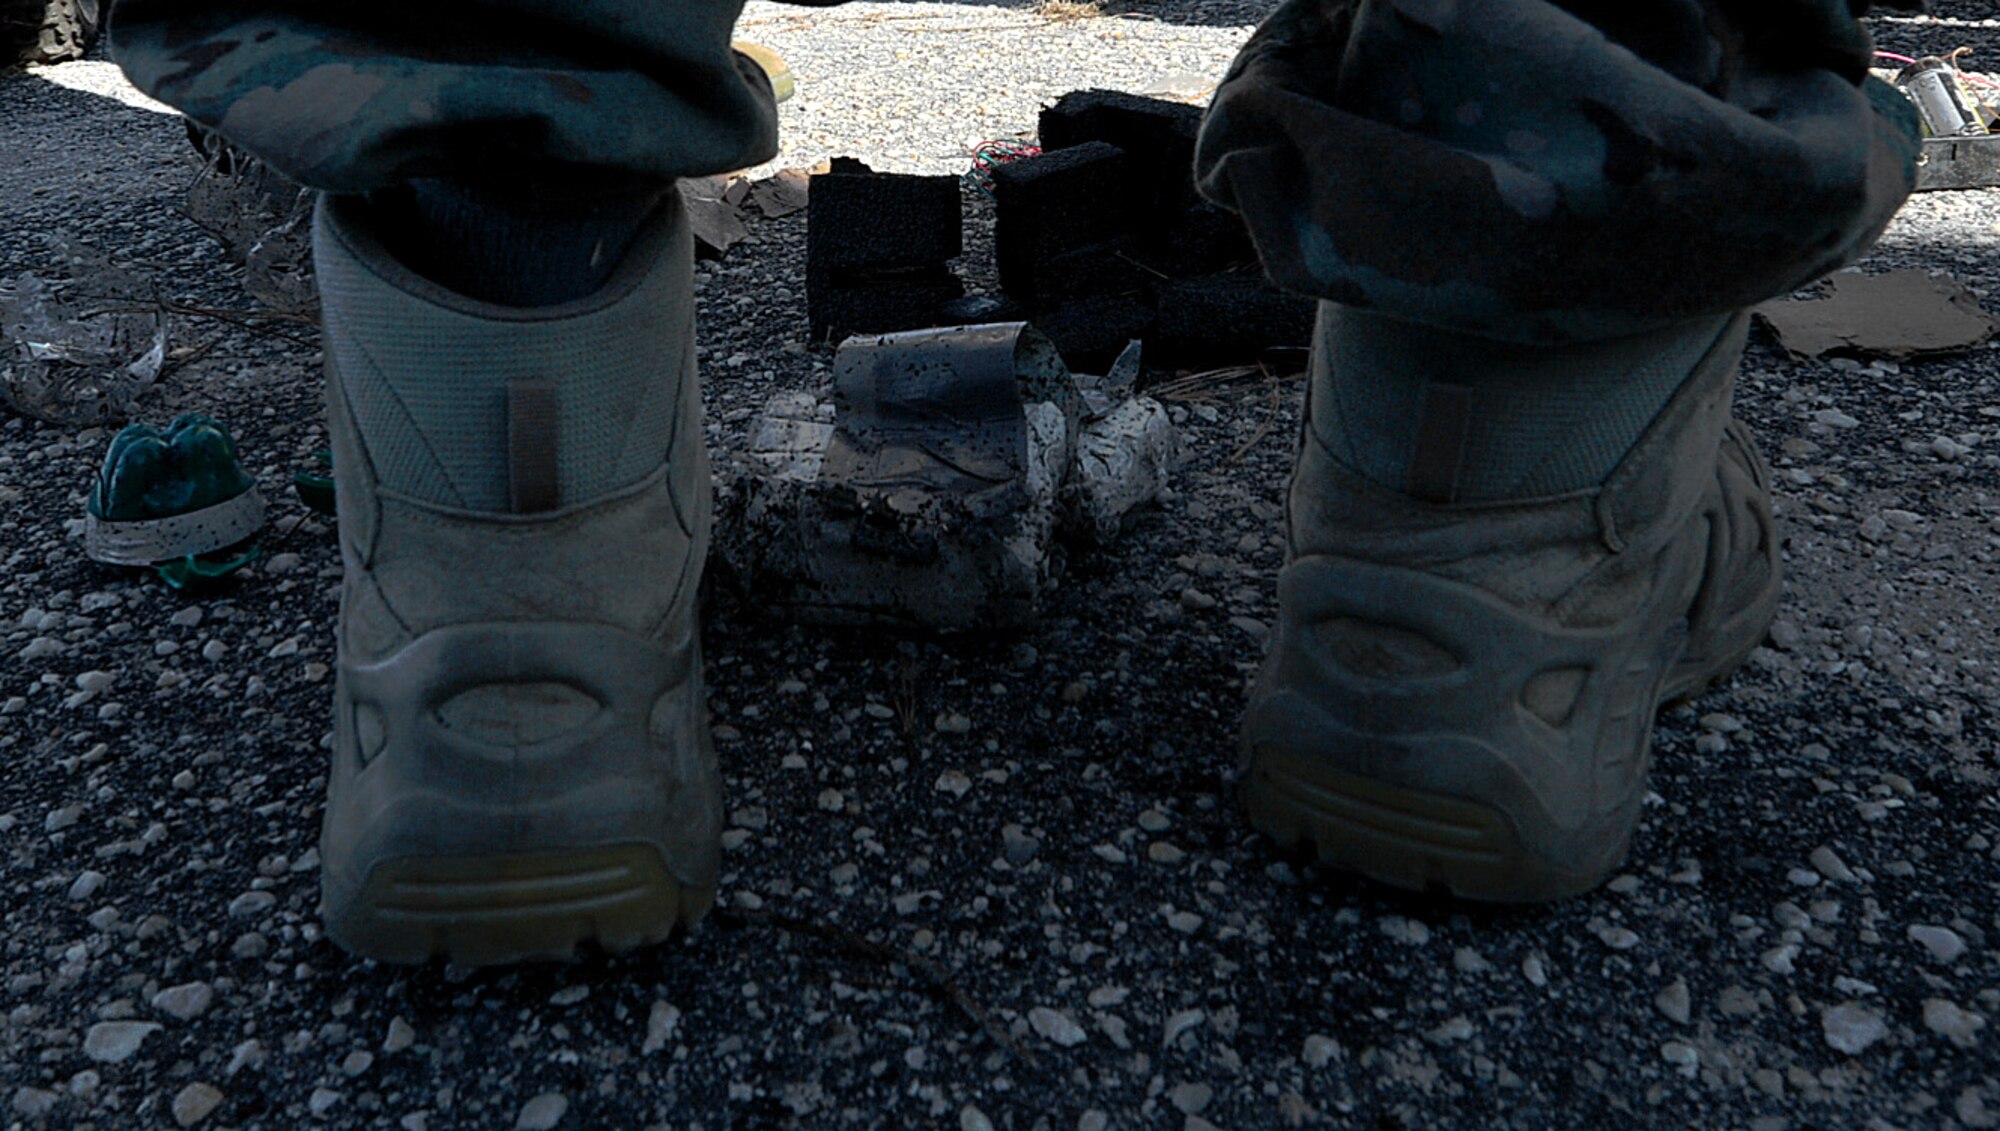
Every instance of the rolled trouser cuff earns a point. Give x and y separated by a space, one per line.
354 98
1511 170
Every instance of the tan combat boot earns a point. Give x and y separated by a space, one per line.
521 755
1462 696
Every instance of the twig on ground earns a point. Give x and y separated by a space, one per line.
1157 273
180 359
247 319
938 980
1202 385
1263 428
1069 11
906 704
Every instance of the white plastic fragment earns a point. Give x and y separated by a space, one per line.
937 503
80 346
1124 460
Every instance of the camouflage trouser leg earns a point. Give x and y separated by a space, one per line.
1526 169
363 94
1545 171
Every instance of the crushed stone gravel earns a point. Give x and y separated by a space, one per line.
1086 935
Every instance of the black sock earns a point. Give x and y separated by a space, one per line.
528 244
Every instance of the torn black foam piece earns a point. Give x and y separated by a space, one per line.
1229 316
1090 331
1158 136
881 304
1203 240
858 218
1057 204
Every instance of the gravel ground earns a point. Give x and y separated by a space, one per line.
1003 883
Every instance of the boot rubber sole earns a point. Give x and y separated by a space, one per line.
1417 840
1691 686
494 910
1405 838
521 763
1427 733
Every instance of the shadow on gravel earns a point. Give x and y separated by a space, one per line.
49 181
148 156
1193 13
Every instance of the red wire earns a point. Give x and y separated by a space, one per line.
1971 78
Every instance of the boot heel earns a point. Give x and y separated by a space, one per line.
521 760
1405 838
485 910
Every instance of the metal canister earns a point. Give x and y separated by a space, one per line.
1943 98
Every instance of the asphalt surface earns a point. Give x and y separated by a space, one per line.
1000 883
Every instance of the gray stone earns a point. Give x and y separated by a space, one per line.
1614 936
1672 1001
114 1042
195 1102
1410 932
542 1113
1943 943
1959 1026
1056 1027
1181 1023
1780 959
1972 1111
660 1026
1255 629
1192 1098
400 1037
1683 1056
1319 1051
247 1054
1851 1027
1827 863
1452 1031
34 1103
251 903
1020 847
185 1002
